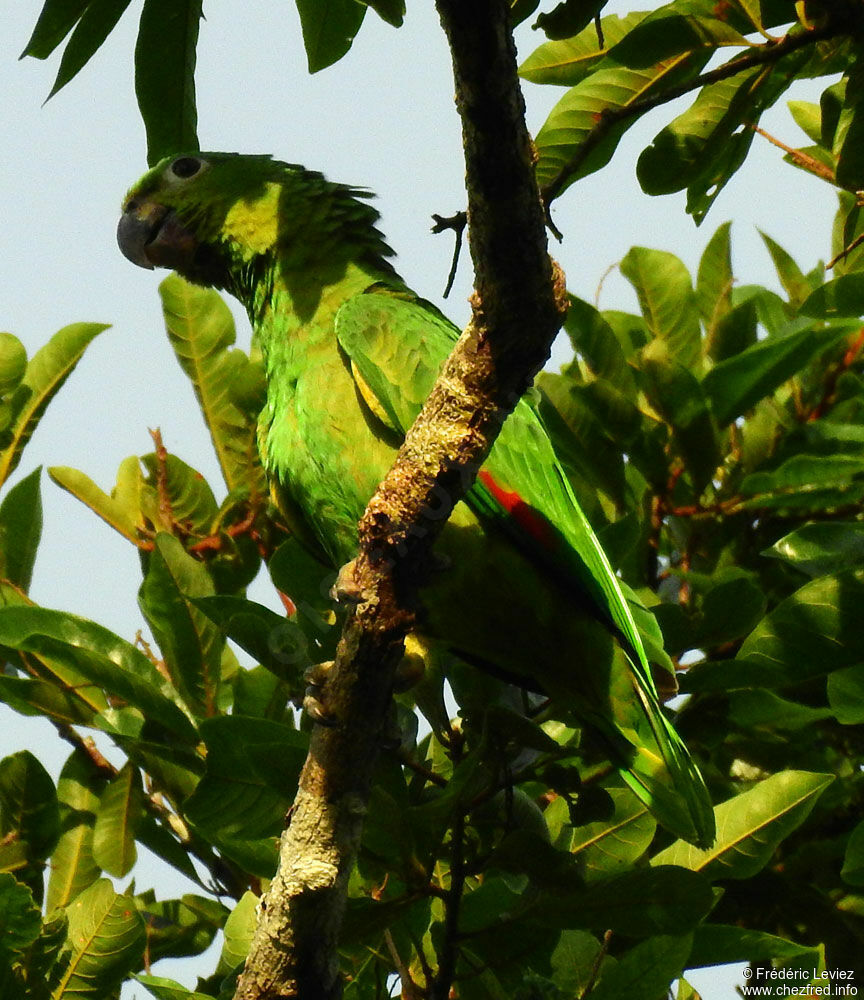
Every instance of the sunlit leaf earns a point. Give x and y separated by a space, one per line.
122 516
568 145
751 825
46 372
120 808
201 330
106 937
73 866
667 301
567 61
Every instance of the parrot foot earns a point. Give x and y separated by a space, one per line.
313 703
347 589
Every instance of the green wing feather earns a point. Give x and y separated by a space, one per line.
397 344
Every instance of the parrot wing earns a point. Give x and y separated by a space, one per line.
396 344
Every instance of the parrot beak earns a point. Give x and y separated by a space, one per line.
151 236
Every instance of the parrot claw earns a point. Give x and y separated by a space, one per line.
313 703
346 589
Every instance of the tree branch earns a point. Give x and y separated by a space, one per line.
518 306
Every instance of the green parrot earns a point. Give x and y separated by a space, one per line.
351 354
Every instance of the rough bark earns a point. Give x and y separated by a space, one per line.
518 307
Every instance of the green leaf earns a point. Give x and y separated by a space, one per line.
165 55
106 937
735 385
658 900
645 971
46 372
251 778
190 643
846 694
13 363
675 393
20 918
78 650
117 510
566 61
717 944
569 17
608 846
120 809
573 142
714 278
329 27
29 812
594 339
751 825
20 530
822 547
56 20
73 867
391 11
791 276
178 928
168 989
844 296
703 147
807 482
764 710
183 496
201 330
669 32
96 24
239 929
667 301
814 630
853 860
280 644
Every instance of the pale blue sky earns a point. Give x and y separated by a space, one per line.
382 118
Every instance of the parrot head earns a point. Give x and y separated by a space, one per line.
223 219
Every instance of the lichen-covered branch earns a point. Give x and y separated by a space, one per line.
518 306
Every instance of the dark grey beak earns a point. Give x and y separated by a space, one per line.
150 235
133 235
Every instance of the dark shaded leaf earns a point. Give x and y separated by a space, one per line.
822 547
329 27
56 20
190 643
20 530
735 385
165 55
96 24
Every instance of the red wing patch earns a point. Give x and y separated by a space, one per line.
530 520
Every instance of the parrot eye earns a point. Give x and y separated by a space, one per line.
186 166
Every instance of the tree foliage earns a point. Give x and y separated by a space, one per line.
716 441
